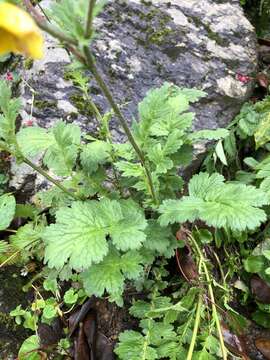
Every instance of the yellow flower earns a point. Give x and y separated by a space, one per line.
18 32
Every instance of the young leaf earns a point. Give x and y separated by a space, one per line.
129 169
218 204
262 133
10 108
158 239
157 155
219 151
109 275
70 297
247 120
79 235
133 346
60 145
70 16
7 210
161 111
158 332
141 308
34 140
255 264
209 134
193 95
62 154
94 154
26 236
27 350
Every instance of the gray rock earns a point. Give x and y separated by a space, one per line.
140 45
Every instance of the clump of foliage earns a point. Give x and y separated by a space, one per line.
114 208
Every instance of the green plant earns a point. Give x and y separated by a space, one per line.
87 223
113 206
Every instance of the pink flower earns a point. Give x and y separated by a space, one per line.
28 122
9 76
243 78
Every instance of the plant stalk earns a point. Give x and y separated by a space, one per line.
39 170
195 328
92 67
89 62
89 19
49 178
212 298
49 28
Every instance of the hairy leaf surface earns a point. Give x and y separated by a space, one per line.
79 235
109 275
7 210
94 154
218 204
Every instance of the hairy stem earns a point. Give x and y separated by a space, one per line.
195 329
92 67
48 28
49 178
212 298
215 314
37 168
89 62
89 19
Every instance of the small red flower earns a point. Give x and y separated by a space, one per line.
243 78
9 76
28 122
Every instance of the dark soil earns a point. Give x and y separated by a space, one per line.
11 295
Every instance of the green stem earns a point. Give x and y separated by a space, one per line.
89 19
212 298
92 67
215 314
94 109
195 329
88 60
49 178
38 169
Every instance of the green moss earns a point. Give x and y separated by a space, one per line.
81 104
68 75
160 36
210 33
214 36
157 33
147 3
28 64
43 104
73 116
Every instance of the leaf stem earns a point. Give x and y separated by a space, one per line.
49 178
212 298
195 328
48 28
89 62
92 67
89 19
